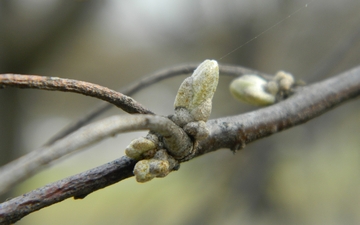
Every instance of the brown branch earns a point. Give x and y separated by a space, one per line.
158 76
229 132
67 85
94 179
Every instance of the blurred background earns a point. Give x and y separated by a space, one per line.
306 175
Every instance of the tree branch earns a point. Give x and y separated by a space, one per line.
22 168
229 132
94 179
67 85
158 76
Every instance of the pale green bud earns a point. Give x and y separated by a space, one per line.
159 166
196 92
252 89
285 80
141 148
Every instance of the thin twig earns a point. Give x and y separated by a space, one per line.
227 70
229 132
22 168
68 85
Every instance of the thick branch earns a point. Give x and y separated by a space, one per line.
230 132
67 85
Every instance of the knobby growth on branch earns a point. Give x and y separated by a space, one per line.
232 133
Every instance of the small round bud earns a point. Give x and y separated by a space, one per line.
159 166
141 148
142 171
285 80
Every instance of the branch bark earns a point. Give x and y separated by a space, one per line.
94 179
229 132
68 85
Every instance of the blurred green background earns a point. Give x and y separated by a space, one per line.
306 175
